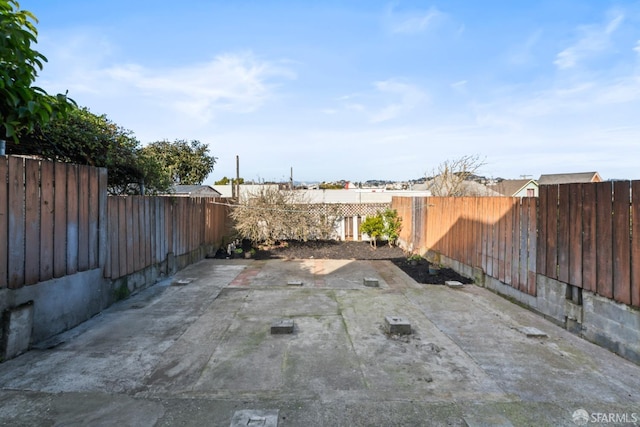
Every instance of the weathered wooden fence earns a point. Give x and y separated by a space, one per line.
56 220
143 230
50 214
589 237
497 234
585 235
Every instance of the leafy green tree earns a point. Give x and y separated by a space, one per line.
187 162
227 181
85 138
373 226
385 224
23 105
392 225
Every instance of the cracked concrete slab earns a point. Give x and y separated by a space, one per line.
198 354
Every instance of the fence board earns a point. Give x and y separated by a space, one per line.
131 253
541 248
502 233
60 220
72 219
32 222
532 241
508 247
148 233
575 235
551 213
589 243
523 256
46 221
604 237
16 212
493 239
4 222
622 242
83 218
563 232
484 203
112 268
123 246
635 244
169 230
94 219
136 233
103 238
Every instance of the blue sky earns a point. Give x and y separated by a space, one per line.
360 90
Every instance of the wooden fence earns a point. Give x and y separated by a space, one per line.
497 234
56 219
50 215
585 235
143 230
589 237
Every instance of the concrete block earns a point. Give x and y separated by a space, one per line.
255 418
573 311
16 334
294 283
532 332
396 325
479 276
453 284
371 282
182 282
282 326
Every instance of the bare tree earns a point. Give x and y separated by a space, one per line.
270 214
451 178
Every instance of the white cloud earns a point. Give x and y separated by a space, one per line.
410 96
233 82
236 82
637 47
459 86
416 22
523 54
593 40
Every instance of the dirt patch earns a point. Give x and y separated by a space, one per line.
418 270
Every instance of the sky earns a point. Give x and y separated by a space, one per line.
359 90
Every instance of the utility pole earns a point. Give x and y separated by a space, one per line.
237 184
291 179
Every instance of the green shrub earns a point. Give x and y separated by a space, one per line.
385 224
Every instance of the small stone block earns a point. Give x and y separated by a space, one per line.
453 284
282 326
397 325
294 283
532 332
182 282
16 333
371 282
255 418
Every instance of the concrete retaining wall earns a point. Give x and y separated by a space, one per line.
32 314
600 320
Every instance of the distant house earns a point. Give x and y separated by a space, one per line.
516 188
195 191
439 186
569 178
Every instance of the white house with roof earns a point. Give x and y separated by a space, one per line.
516 188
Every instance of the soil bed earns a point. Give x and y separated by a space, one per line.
419 271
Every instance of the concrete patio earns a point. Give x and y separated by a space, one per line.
197 350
